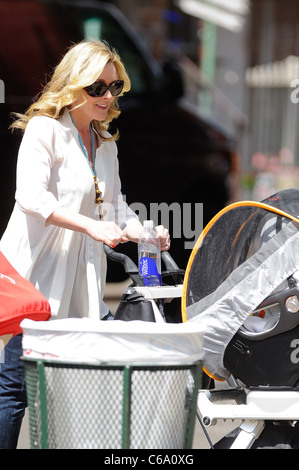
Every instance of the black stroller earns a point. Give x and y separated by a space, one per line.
152 304
242 285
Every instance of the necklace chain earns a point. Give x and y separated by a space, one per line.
98 198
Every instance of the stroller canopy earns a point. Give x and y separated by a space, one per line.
244 254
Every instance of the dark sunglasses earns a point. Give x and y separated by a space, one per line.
98 89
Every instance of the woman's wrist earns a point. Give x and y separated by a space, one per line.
67 219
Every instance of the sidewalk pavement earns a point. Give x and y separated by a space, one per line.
199 439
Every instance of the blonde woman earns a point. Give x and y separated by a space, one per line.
68 201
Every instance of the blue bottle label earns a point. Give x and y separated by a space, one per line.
149 271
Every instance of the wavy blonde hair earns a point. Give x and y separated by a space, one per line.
80 67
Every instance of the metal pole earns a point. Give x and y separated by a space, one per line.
126 408
43 405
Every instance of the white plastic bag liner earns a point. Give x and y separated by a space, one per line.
112 342
155 406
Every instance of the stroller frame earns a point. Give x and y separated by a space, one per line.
252 407
155 294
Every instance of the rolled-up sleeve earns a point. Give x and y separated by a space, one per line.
35 160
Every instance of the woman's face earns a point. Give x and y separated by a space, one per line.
97 108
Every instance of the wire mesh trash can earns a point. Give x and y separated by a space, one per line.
85 405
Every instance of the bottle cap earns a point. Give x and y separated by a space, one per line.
148 224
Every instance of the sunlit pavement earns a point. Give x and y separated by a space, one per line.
199 440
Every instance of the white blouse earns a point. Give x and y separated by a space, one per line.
68 267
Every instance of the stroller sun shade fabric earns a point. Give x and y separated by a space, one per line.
19 299
244 254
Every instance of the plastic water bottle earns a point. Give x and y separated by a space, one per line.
149 255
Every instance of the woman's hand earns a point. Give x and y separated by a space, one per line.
133 230
106 232
164 236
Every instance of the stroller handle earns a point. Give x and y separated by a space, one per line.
169 262
132 270
129 265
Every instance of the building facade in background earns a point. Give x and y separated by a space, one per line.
240 61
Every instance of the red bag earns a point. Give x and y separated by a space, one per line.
19 299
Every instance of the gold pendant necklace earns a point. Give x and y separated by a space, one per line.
98 197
